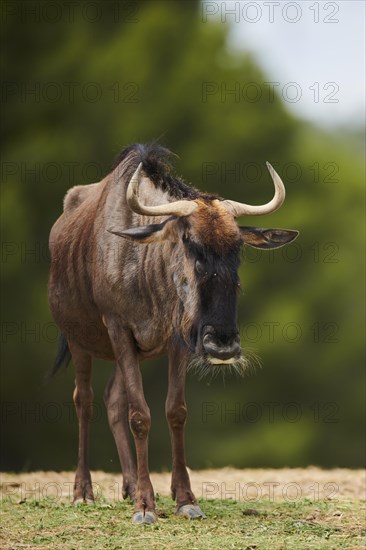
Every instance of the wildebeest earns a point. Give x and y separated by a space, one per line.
142 265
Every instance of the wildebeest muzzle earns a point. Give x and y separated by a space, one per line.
222 346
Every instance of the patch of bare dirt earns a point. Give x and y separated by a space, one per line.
290 484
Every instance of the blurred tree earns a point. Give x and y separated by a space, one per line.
75 92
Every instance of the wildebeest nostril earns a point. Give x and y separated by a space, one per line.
208 338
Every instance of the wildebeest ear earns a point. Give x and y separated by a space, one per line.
149 233
267 238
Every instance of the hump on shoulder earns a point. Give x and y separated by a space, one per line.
77 195
80 195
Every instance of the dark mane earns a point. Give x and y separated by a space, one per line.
157 166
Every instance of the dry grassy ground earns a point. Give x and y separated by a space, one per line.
246 509
289 484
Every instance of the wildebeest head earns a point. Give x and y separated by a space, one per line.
206 272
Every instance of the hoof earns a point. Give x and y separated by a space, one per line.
79 501
144 517
190 511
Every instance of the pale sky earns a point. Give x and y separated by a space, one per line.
322 51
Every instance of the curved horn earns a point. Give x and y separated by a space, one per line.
240 209
177 208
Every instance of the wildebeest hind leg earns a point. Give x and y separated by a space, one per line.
83 400
115 399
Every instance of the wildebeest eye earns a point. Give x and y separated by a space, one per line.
200 268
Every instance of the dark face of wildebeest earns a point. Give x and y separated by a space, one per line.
203 264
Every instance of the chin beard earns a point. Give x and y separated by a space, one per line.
204 365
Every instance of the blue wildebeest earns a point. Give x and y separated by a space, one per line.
151 264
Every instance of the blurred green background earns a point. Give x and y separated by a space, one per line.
76 91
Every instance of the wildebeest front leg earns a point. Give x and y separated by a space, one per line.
176 413
139 419
83 400
117 408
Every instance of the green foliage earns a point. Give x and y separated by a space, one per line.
302 305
